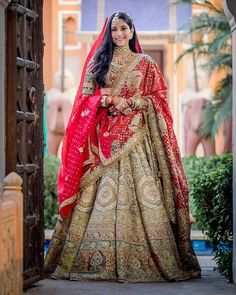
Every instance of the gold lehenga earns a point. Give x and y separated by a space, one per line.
125 225
119 228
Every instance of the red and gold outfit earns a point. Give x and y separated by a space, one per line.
122 190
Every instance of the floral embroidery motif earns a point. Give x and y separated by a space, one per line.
85 113
134 263
106 134
89 85
81 149
96 261
134 80
136 122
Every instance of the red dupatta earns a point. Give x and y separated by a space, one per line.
78 129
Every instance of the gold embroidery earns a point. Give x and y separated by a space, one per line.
123 77
92 176
136 122
114 225
68 201
89 85
164 168
134 80
116 75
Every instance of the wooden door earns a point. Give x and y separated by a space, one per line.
24 131
158 56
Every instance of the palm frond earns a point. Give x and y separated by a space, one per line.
217 51
194 49
220 61
215 58
222 41
207 23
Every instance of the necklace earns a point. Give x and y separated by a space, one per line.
121 50
121 56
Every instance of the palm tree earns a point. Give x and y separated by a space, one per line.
217 50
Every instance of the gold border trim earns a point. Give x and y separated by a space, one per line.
156 129
123 152
68 202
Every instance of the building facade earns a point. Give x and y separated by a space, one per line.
156 22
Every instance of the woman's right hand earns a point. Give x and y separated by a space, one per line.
119 105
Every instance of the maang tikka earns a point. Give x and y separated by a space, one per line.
115 19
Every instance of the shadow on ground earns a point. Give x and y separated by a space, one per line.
211 283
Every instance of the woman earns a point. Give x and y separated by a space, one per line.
122 190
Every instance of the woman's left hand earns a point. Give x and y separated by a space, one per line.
120 104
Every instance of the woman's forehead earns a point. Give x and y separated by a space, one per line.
118 23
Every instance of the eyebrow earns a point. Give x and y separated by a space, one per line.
122 26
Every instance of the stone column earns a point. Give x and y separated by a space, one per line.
230 12
3 5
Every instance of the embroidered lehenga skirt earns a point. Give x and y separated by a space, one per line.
120 229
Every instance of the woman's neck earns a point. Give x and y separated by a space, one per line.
121 51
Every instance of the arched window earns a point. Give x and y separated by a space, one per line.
71 29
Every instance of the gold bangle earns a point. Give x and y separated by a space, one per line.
103 101
108 100
111 102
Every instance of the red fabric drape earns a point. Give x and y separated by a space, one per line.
77 131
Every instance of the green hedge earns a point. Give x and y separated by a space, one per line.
51 166
197 166
210 181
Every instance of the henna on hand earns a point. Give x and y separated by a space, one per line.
138 103
119 105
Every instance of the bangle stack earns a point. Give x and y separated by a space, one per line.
106 101
135 103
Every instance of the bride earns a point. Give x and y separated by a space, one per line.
123 194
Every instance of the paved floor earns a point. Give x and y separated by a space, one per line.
211 283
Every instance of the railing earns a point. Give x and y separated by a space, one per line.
11 236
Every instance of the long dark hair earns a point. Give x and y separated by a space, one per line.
104 53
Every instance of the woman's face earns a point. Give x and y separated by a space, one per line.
121 33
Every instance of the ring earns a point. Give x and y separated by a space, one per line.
127 111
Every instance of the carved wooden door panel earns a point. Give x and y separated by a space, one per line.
24 109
